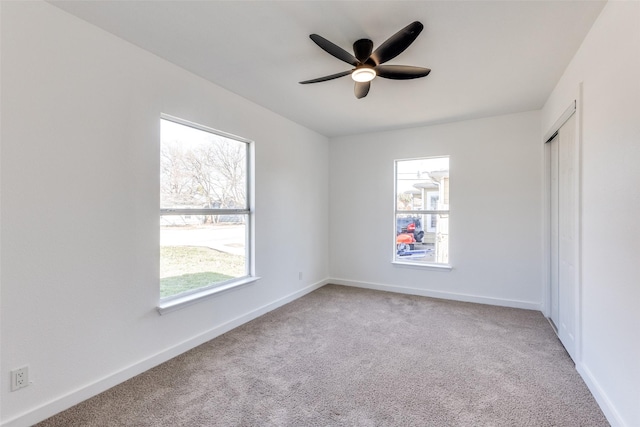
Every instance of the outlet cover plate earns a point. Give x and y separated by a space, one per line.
19 378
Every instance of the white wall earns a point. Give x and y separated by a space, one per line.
80 198
608 66
496 198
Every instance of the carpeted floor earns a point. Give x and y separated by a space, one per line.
351 357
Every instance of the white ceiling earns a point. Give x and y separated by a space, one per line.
487 57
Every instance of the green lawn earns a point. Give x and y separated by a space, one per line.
183 268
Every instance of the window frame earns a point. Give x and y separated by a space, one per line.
425 213
173 302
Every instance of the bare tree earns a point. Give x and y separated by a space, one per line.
175 181
208 175
406 201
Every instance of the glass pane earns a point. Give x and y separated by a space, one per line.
422 238
198 251
199 169
422 184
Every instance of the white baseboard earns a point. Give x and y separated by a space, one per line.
73 398
601 397
527 305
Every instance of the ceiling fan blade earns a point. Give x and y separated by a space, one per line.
401 72
397 43
334 50
325 78
361 89
362 49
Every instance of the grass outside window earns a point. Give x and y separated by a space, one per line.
186 268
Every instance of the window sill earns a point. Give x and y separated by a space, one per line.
175 304
438 267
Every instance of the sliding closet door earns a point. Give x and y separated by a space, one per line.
554 239
563 216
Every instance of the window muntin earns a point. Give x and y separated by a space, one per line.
421 219
204 209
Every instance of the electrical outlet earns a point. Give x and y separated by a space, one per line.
19 378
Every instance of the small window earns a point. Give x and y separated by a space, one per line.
422 211
204 209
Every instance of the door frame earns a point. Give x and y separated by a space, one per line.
574 108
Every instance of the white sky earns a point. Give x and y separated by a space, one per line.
171 132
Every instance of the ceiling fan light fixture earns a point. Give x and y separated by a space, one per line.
364 74
367 62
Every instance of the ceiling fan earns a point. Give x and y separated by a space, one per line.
368 65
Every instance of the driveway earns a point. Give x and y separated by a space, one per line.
224 238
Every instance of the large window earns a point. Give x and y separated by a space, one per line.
204 209
422 211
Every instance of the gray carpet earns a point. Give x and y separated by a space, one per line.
351 357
